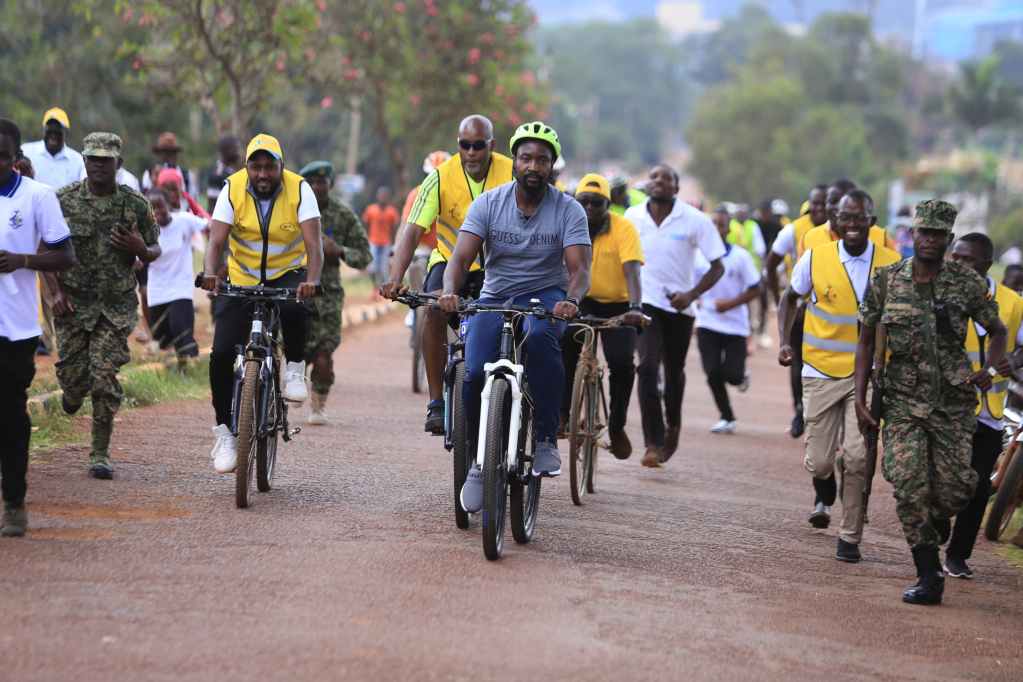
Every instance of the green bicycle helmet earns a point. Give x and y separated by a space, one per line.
536 130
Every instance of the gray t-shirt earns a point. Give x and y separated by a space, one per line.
525 255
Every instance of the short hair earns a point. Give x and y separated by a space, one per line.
982 242
861 197
844 185
819 187
156 192
1011 268
10 129
674 173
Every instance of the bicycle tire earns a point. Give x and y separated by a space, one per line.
1007 501
594 446
266 447
245 472
577 433
525 497
495 469
418 364
462 459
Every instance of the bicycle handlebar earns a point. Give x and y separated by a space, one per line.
608 322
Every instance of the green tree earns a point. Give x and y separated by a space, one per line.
981 97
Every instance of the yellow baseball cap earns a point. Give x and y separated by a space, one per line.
592 183
264 143
57 114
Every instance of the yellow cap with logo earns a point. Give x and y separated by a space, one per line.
264 143
592 183
57 114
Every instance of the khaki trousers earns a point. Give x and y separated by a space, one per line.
830 413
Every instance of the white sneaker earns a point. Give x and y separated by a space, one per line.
316 416
723 426
225 450
294 382
765 341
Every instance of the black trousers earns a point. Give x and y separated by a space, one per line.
173 324
724 362
234 321
987 445
796 368
619 351
664 342
17 367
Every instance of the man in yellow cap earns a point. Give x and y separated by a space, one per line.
55 164
272 219
614 290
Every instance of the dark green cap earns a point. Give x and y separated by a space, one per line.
323 169
935 214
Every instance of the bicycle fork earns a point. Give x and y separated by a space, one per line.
512 373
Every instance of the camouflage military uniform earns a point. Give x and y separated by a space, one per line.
93 339
929 406
340 224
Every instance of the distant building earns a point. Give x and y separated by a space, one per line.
953 30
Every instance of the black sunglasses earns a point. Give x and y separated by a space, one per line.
478 145
594 200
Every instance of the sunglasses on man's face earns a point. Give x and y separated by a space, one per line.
478 145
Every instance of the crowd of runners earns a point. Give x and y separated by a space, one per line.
860 315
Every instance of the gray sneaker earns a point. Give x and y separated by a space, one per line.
546 460
471 496
15 521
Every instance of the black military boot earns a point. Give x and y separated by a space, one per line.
929 589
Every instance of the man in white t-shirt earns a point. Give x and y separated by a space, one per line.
671 232
29 216
722 322
55 164
171 280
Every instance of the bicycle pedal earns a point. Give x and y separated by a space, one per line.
294 431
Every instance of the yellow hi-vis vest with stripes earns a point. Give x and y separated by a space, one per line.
263 251
1010 310
456 196
831 328
822 234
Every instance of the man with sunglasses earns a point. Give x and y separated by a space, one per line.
615 289
445 196
836 276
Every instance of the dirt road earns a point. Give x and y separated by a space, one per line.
352 568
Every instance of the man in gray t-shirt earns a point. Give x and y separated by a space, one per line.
536 243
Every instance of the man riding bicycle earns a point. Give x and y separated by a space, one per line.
445 196
272 218
537 247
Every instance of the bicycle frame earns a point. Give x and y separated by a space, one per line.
456 350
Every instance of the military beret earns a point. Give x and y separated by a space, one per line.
317 169
935 214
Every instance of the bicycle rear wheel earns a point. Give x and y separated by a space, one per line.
599 407
495 469
245 471
525 497
579 432
1007 501
462 458
266 447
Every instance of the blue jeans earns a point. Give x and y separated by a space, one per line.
379 266
545 370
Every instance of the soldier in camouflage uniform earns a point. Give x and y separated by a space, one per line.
929 417
344 240
94 302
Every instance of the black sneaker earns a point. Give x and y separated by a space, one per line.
957 568
435 418
820 517
848 552
68 406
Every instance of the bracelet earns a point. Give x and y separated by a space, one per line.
573 301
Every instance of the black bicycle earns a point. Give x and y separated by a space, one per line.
258 409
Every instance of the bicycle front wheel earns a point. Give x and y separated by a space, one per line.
461 456
579 432
495 469
245 470
1007 501
525 496
418 363
266 445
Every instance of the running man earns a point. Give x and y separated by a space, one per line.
615 289
723 325
537 246
445 197
835 275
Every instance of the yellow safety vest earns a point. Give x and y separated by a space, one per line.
831 327
741 234
456 196
822 234
800 226
1010 310
263 251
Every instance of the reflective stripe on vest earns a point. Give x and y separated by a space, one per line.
455 196
831 326
1010 311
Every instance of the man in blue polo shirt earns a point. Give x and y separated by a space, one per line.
537 245
29 216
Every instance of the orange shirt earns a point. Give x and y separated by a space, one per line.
429 238
380 223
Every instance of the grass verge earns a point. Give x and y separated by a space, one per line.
1008 550
52 428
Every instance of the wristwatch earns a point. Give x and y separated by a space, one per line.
573 301
635 307
992 372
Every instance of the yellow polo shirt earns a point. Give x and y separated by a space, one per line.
618 244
